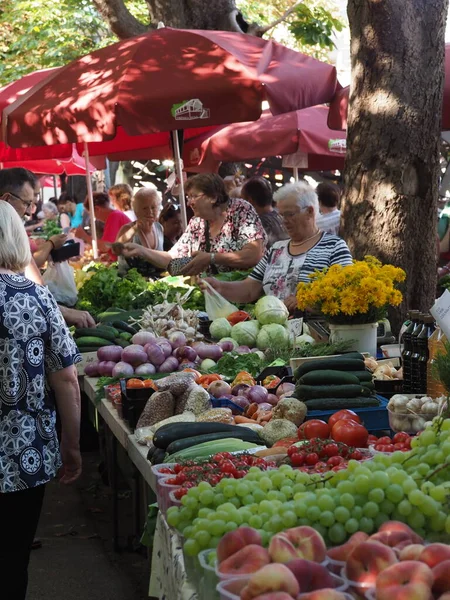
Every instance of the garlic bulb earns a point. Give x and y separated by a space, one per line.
430 408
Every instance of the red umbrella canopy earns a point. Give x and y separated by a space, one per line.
304 131
75 165
165 80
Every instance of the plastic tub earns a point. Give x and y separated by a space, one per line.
335 566
163 491
157 468
413 420
209 580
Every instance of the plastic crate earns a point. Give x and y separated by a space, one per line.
375 418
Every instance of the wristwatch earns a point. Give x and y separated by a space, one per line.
212 259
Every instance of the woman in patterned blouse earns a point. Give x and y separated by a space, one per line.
37 374
224 234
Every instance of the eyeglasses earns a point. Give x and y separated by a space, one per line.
289 215
194 197
26 203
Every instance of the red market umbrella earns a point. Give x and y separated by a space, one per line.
75 165
301 136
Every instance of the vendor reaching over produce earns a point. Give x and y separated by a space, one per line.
224 234
145 231
290 261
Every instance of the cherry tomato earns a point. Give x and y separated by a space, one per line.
171 481
180 493
331 449
356 455
320 467
341 415
333 461
385 440
339 467
297 459
312 458
401 437
227 467
372 440
400 446
350 433
293 450
166 471
315 428
385 447
407 444
222 455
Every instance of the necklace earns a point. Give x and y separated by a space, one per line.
304 241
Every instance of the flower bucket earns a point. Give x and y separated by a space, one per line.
364 336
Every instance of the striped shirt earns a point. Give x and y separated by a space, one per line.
329 222
279 271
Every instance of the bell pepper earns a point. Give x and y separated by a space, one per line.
243 377
238 317
205 380
271 382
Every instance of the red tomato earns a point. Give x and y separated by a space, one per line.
385 447
372 440
292 450
400 446
333 461
356 455
301 432
180 493
385 440
342 415
350 433
316 429
407 444
401 437
297 459
331 450
312 458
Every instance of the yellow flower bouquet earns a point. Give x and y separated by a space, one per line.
357 293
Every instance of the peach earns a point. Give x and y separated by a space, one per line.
441 574
308 542
271 578
445 596
246 560
390 526
343 552
392 538
274 596
310 575
236 540
407 580
434 554
368 560
324 594
411 552
281 550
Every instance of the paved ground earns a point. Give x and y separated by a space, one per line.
76 561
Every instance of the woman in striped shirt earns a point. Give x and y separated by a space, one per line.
290 261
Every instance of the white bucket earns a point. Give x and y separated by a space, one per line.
363 335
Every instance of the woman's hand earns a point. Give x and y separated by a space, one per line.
59 240
199 263
291 303
214 283
132 250
71 459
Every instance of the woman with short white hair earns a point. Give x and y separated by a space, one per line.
37 374
290 261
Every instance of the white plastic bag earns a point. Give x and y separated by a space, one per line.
216 305
59 278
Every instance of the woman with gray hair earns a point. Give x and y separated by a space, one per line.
290 261
37 375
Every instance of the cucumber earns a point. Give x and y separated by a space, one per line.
115 309
362 375
84 349
121 342
122 316
97 332
306 392
205 450
92 341
125 336
107 329
334 364
327 376
338 403
246 435
124 327
108 316
176 431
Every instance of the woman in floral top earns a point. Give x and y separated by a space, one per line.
37 374
224 234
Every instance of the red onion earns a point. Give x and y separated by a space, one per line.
241 401
257 394
105 367
155 354
243 350
265 406
272 399
185 352
284 388
122 369
165 346
241 389
109 353
91 369
169 365
177 339
142 338
212 351
134 355
219 388
145 369
226 346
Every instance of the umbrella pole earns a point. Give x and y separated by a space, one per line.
179 173
295 170
55 187
91 202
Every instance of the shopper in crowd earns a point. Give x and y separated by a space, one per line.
290 261
37 356
145 231
69 207
330 215
258 192
121 196
20 188
223 235
170 219
113 219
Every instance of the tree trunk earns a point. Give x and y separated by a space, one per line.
392 166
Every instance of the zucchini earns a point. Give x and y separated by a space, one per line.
208 449
124 327
92 341
338 403
122 316
362 375
307 392
176 431
357 355
158 456
328 377
335 364
121 342
246 435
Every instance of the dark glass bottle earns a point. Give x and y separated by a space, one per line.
414 380
424 354
407 349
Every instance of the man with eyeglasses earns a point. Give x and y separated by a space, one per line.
20 188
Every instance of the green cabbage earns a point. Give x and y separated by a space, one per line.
220 328
270 309
272 336
245 333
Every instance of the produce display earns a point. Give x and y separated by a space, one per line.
412 413
92 339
